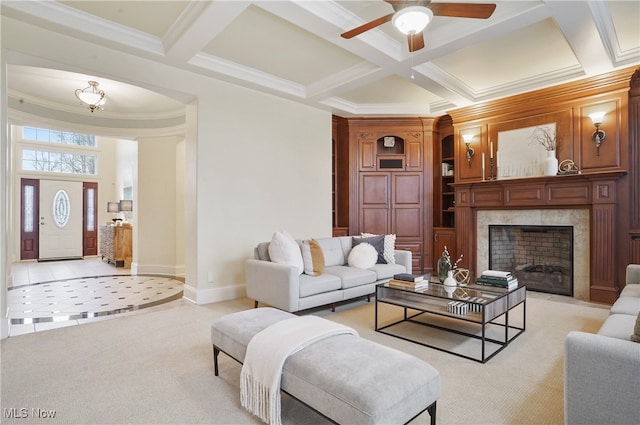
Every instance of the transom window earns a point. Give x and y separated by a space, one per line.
53 151
58 162
46 135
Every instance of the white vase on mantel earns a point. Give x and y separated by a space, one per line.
551 164
450 281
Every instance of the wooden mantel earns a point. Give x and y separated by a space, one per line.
594 191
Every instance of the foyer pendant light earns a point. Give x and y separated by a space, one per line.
412 19
91 96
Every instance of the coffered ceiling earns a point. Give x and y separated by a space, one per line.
294 49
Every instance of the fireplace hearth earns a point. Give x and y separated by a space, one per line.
540 257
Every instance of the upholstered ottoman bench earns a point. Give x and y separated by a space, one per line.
348 379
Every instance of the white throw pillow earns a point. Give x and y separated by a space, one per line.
363 256
283 249
389 246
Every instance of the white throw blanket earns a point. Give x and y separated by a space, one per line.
266 354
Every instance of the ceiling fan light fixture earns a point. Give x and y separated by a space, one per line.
91 96
412 19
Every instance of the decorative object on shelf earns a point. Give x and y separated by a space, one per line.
449 280
470 151
598 135
567 166
445 265
492 175
92 96
551 164
462 276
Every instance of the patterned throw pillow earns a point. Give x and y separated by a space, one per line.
389 246
312 257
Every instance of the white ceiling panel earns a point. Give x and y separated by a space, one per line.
294 49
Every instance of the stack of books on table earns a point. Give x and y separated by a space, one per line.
407 280
498 278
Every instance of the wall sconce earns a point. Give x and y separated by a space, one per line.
598 135
470 151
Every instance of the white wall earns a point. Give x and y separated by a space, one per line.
154 207
255 163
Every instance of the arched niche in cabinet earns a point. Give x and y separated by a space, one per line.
390 153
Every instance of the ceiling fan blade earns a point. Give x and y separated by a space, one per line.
463 10
366 27
416 41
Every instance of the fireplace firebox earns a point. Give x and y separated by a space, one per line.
540 257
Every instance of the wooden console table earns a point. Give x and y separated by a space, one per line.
116 244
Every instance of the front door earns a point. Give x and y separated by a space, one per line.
60 220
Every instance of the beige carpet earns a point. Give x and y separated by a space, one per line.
156 367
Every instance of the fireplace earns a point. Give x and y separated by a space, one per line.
540 257
578 219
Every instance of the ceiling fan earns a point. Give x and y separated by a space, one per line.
412 16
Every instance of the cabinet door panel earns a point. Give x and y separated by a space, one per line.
407 222
407 189
414 155
374 220
367 155
374 189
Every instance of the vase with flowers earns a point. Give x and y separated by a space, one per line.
547 139
446 267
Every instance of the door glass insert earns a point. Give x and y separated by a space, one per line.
27 212
61 208
91 225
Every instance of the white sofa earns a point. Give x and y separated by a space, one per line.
602 371
284 287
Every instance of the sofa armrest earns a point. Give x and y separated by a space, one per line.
272 283
601 376
633 274
403 257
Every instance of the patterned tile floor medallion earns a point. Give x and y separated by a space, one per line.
45 305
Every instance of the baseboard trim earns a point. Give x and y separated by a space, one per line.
156 269
214 295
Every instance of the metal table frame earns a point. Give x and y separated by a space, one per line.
416 300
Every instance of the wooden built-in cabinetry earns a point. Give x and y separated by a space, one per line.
116 244
390 191
400 188
444 234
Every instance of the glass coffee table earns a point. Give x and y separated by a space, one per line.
468 321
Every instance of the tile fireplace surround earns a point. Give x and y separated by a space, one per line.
578 218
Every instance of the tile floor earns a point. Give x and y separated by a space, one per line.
55 294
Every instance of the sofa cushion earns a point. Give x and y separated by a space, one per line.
284 249
376 241
313 285
386 271
389 246
626 305
363 256
618 326
312 257
351 276
332 251
631 290
635 336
